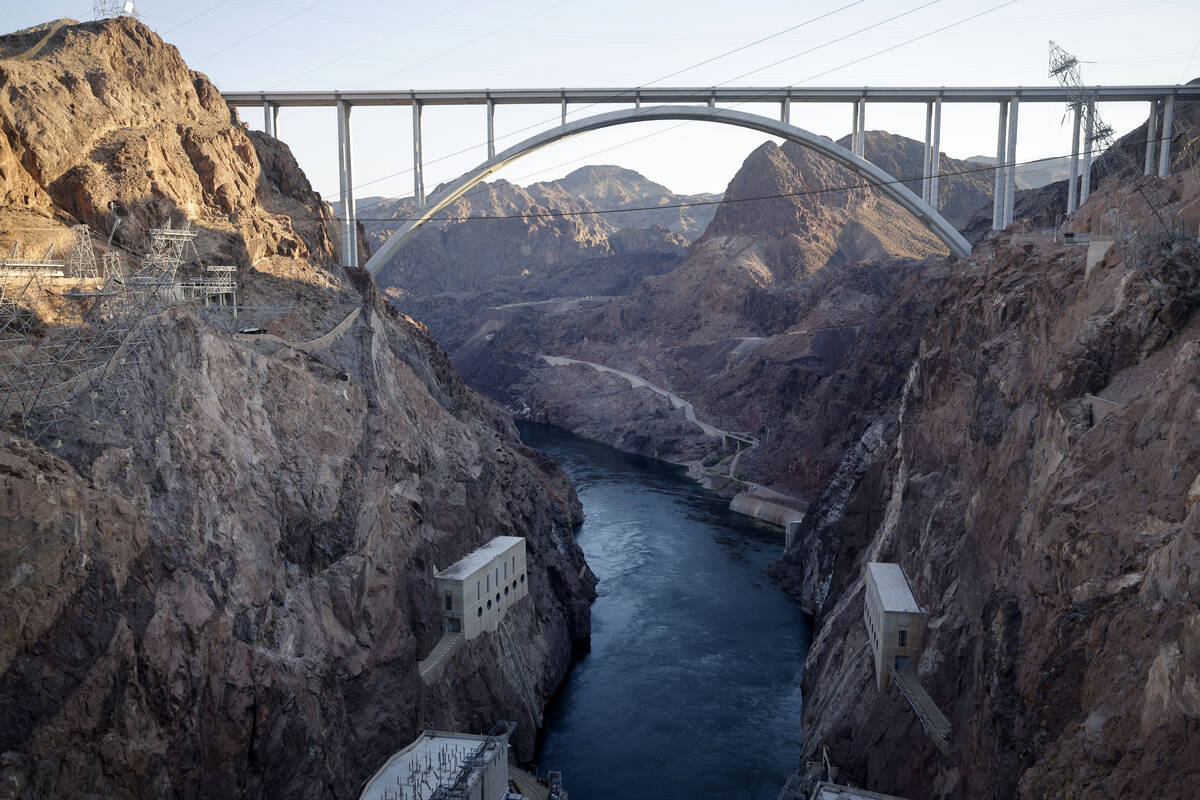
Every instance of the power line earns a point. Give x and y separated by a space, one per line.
736 105
264 30
626 93
866 184
195 17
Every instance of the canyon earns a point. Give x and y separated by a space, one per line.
224 586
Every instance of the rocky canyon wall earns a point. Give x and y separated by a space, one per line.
223 586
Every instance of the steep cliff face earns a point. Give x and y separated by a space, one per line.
223 586
1036 477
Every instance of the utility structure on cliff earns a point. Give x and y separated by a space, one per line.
896 627
895 623
446 766
475 592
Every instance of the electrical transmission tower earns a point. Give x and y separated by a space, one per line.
104 9
1144 231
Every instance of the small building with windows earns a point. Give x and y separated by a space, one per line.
895 623
475 592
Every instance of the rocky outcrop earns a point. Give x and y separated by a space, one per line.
223 587
103 119
964 186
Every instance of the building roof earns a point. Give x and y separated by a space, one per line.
894 592
833 791
438 759
477 560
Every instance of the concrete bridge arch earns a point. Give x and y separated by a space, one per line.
886 183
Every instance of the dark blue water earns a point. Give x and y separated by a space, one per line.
692 685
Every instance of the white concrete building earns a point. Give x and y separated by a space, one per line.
895 623
475 766
475 592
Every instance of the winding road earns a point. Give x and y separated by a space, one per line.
637 381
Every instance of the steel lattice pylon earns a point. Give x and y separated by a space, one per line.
44 368
104 9
1140 234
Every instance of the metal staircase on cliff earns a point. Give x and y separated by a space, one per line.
514 655
936 726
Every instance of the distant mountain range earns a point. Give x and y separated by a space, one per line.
1037 174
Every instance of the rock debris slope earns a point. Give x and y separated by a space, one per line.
223 588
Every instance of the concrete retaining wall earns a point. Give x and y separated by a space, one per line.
754 506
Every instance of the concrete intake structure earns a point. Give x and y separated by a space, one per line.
895 623
475 592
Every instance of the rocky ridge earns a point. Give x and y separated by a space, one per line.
223 588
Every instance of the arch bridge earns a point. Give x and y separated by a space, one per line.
650 104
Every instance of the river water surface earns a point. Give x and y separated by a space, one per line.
692 685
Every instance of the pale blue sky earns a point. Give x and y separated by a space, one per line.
370 44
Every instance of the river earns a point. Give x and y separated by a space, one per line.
692 685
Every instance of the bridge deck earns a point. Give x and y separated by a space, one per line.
701 94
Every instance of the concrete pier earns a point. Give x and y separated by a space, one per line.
928 144
271 118
1088 140
1164 150
1151 137
491 127
346 180
1073 185
418 157
998 175
1010 162
935 154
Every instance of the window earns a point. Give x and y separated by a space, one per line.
506 591
522 579
902 638
489 582
480 612
505 570
497 598
514 584
478 594
489 605
449 602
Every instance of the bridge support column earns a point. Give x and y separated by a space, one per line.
1164 149
1151 136
860 127
491 127
999 175
928 144
1085 187
346 176
418 157
1073 185
935 154
564 108
1010 170
785 111
271 119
